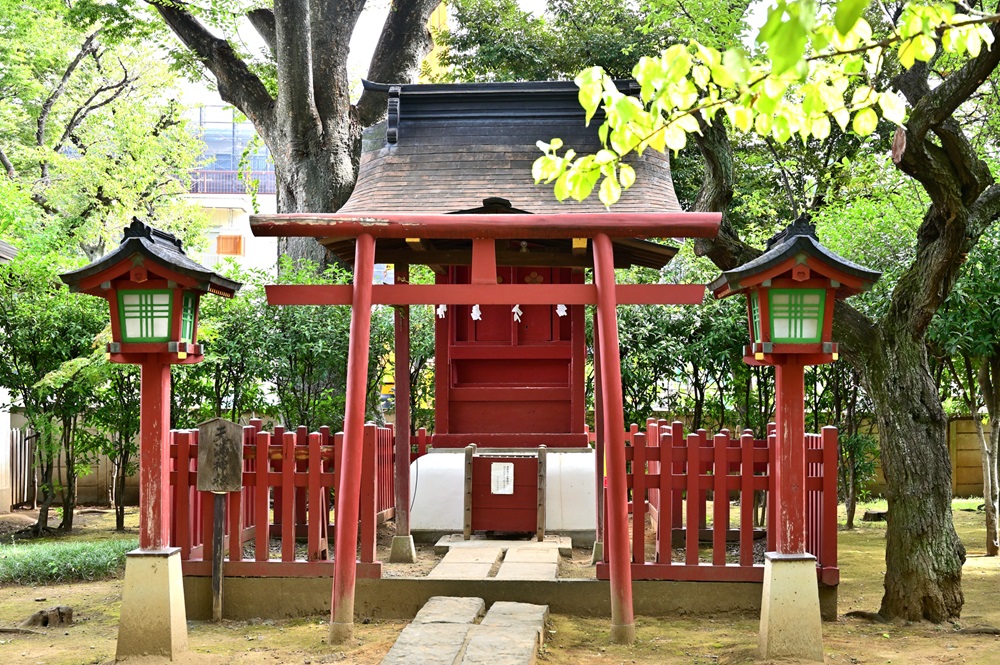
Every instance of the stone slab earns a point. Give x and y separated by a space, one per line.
460 571
790 615
514 570
564 544
451 609
518 616
480 554
529 555
428 644
499 645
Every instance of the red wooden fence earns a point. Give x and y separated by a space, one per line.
668 468
287 502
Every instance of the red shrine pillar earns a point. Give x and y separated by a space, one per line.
154 455
349 488
790 456
617 544
402 550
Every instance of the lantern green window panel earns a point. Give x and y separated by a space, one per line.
187 317
145 315
796 315
755 312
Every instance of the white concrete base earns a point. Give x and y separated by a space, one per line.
790 624
153 619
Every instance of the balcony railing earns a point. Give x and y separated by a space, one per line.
229 182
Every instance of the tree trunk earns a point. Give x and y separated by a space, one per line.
69 496
989 486
121 464
850 496
924 555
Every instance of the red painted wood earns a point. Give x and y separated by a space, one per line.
679 470
261 542
276 465
509 226
828 549
484 261
638 496
498 295
599 429
401 468
288 497
234 515
301 466
317 508
181 533
746 499
349 488
505 512
790 458
720 498
614 422
154 456
368 496
693 501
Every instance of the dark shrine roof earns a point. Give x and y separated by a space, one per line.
797 238
7 252
469 148
161 248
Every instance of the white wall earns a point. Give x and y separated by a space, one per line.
5 488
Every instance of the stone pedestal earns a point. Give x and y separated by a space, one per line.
153 620
790 624
597 554
402 550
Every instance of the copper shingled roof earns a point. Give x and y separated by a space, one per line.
461 147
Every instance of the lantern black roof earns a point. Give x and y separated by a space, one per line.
797 239
160 247
7 252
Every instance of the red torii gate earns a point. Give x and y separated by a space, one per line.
484 230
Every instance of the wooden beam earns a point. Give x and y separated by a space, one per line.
486 294
510 226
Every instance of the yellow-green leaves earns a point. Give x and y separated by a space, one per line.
865 121
848 13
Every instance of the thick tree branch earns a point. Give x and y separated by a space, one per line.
331 25
296 102
263 22
7 166
89 46
237 84
404 41
984 211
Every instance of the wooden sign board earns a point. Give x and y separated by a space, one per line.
220 456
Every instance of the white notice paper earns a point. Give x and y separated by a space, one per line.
502 476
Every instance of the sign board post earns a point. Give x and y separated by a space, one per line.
220 470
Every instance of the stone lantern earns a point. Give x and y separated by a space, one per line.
791 289
153 290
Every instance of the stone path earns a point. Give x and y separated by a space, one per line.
477 559
447 631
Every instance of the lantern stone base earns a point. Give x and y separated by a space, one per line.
790 624
153 619
402 550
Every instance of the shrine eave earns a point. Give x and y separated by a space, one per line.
495 226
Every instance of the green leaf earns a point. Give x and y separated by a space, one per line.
893 108
848 13
627 175
865 122
610 191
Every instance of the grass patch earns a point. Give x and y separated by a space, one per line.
52 562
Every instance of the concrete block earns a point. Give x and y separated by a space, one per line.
153 620
428 644
450 609
528 555
499 645
402 550
790 624
513 570
517 617
479 554
460 571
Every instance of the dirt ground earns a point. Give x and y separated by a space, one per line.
711 640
